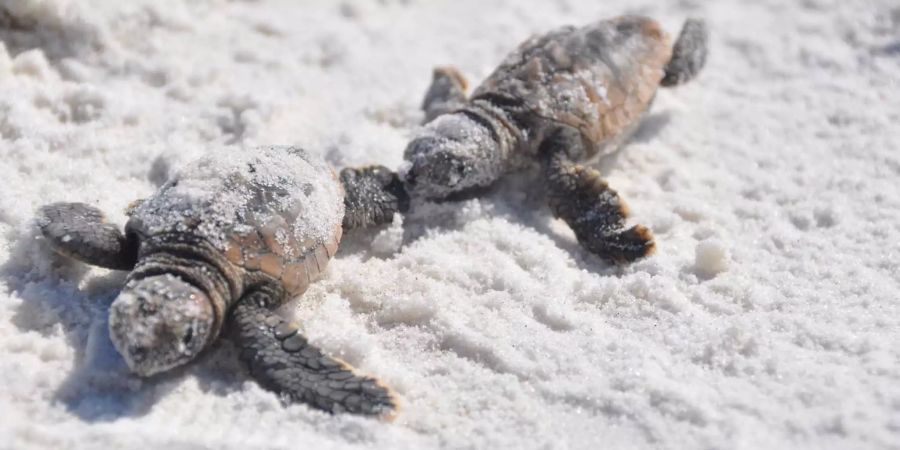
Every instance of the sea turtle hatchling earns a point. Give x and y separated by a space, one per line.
561 98
216 249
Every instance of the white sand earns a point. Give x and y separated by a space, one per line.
769 318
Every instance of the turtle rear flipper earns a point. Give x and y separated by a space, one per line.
80 231
446 93
596 213
283 361
688 54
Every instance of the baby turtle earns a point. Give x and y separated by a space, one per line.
217 248
561 98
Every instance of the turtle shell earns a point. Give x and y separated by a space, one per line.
599 78
277 210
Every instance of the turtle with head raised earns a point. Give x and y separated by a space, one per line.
214 251
559 100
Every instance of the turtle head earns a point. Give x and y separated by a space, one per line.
451 154
160 322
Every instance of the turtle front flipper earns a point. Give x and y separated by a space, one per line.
580 197
285 362
372 195
80 231
688 54
446 93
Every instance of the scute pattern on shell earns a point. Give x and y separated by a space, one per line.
599 78
274 209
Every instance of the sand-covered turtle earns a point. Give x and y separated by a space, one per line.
215 250
559 100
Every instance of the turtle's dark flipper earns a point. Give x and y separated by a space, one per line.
580 197
80 231
371 196
283 361
688 54
446 93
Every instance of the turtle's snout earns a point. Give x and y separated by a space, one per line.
160 322
418 152
438 173
410 178
448 169
138 353
450 155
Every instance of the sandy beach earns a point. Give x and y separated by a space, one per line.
769 316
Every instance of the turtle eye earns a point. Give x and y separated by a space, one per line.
188 336
460 168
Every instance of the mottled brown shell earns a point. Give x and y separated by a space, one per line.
271 246
275 210
599 79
